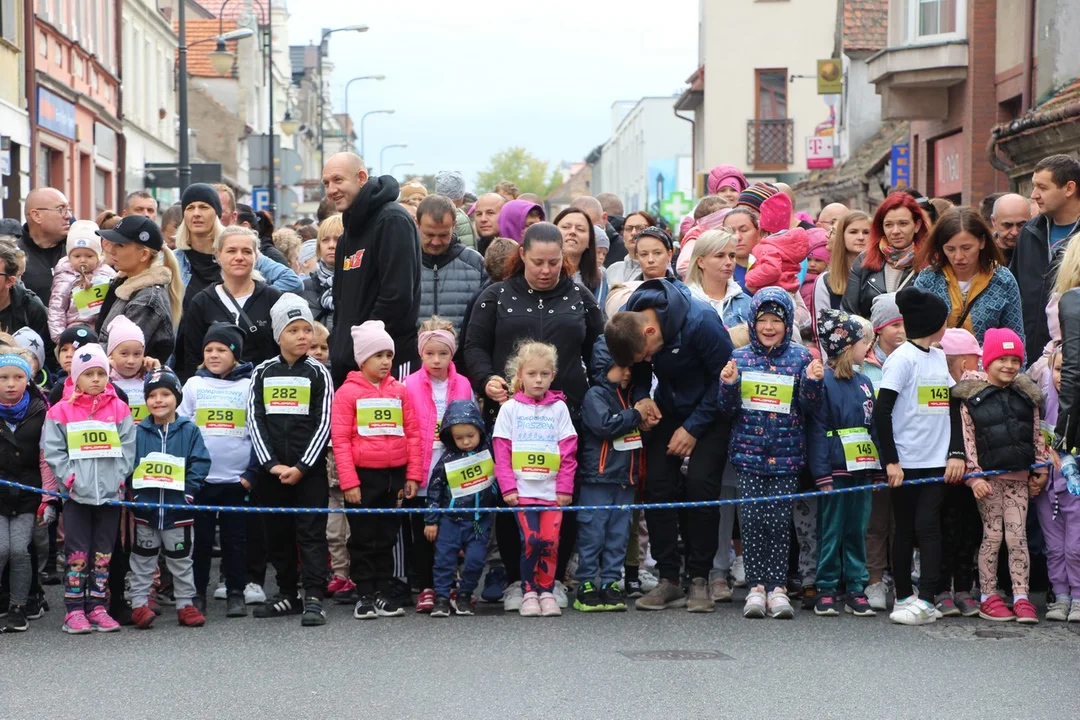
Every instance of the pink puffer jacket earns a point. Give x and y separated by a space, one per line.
422 400
62 310
352 451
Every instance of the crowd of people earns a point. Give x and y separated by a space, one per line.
451 354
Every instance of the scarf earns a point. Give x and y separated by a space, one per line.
958 306
897 258
13 414
324 275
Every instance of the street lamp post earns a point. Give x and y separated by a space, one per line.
397 165
349 84
363 118
322 41
382 153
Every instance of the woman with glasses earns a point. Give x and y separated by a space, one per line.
626 270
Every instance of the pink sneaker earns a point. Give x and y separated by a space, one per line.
75 623
993 608
1025 612
530 605
549 606
425 601
339 584
101 621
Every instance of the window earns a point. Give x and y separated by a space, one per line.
43 45
60 54
771 95
101 193
770 134
8 28
933 20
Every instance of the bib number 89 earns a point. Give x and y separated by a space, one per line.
382 414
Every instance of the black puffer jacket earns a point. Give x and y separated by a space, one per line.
26 309
449 281
864 285
207 307
20 458
1004 420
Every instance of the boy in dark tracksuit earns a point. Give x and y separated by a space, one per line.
610 461
463 478
289 411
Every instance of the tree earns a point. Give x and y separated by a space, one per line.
516 165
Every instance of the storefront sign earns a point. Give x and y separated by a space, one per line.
55 114
900 160
948 159
830 77
819 152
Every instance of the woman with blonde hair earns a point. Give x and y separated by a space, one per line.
288 242
319 284
711 276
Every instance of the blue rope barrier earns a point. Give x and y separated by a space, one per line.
520 508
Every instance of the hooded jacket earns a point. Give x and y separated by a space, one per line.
459 412
25 309
422 399
769 443
180 439
1032 266
40 262
448 281
1002 429
232 456
62 310
376 274
845 405
609 428
144 299
378 452
90 481
734 309
777 261
208 307
22 461
687 368
512 218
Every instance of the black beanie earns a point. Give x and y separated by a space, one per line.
163 377
201 192
228 335
924 313
77 335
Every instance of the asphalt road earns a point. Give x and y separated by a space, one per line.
494 665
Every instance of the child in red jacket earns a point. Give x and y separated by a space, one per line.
376 442
778 258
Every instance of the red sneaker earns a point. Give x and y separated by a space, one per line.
143 617
189 616
340 584
1025 612
993 608
425 601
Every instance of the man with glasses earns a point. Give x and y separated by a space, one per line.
1011 213
830 215
48 217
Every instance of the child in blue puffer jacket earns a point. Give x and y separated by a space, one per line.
764 388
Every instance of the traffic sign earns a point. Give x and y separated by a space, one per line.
900 160
260 199
819 152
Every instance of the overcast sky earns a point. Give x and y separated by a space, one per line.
468 78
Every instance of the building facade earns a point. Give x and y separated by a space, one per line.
15 151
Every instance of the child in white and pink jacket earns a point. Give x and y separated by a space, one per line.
80 280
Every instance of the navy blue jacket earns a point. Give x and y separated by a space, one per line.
696 348
459 412
606 415
844 404
182 439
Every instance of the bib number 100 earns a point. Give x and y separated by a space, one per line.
95 436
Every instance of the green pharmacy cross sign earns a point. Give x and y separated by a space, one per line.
676 206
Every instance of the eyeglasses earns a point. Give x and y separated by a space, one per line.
634 229
63 210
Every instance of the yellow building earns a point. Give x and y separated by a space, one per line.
14 120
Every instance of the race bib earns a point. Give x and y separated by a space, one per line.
91 439
535 466
159 470
137 403
286 395
767 392
470 475
88 301
859 450
231 422
379 416
630 441
933 396
1047 432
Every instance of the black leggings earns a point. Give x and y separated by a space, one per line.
917 513
961 529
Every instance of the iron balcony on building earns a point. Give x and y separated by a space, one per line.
770 144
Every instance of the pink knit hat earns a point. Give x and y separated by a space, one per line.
120 330
958 341
819 244
368 339
776 213
86 357
999 343
726 176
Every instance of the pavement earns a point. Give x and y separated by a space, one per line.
495 665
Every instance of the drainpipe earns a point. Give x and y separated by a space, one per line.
30 58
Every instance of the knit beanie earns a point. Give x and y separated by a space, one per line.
201 192
83 234
884 312
368 339
776 213
411 188
76 336
837 331
602 240
726 176
308 250
958 341
163 377
27 339
228 335
121 330
450 183
89 356
1001 342
289 307
819 244
753 196
18 361
924 313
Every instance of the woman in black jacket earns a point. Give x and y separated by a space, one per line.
241 299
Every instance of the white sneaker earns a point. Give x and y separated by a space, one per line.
512 597
779 605
648 580
878 595
220 593
913 611
738 573
253 594
560 594
755 605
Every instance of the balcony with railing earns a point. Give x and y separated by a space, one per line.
770 144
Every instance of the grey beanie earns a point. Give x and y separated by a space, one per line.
884 311
30 340
602 240
289 307
450 183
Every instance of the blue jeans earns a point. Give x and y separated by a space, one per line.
455 534
603 534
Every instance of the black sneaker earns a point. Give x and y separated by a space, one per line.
612 597
35 607
825 604
441 608
387 606
463 604
809 598
633 589
858 605
234 606
121 613
199 601
16 619
588 598
314 615
365 608
280 606
400 593
50 578
346 597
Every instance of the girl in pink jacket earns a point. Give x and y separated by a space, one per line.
535 462
430 390
80 280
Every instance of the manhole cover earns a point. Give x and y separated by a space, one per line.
676 655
